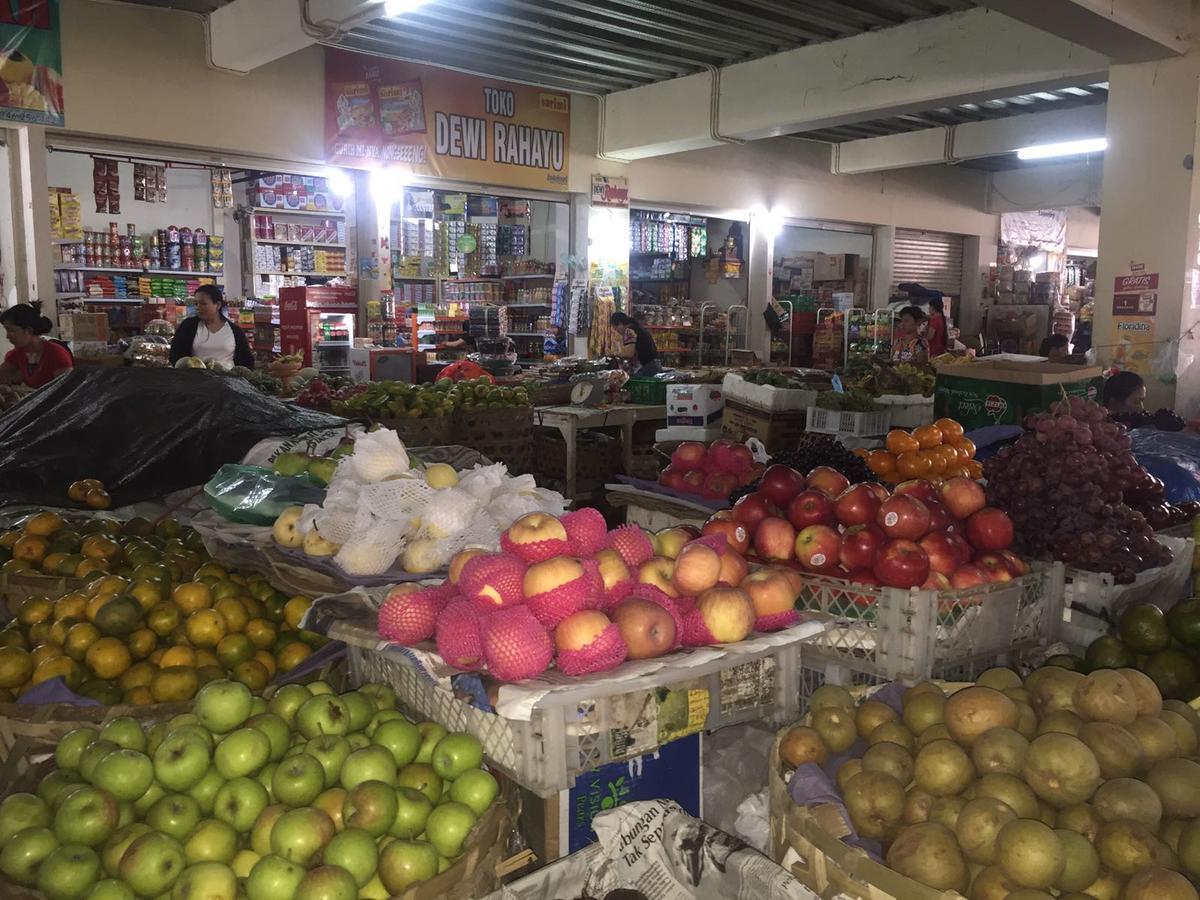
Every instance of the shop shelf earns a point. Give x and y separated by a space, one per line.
279 211
527 306
525 277
295 243
174 273
526 334
304 274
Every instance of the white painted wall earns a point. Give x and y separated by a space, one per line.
1083 228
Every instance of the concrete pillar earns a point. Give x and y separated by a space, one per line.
881 266
32 263
1151 204
978 255
760 261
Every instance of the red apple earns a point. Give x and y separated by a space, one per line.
878 490
579 629
775 538
1016 565
736 536
965 550
672 478
693 481
859 545
857 505
945 554
904 517
697 568
657 571
994 565
810 508
719 485
939 519
936 582
795 579
920 488
770 592
902 564
990 529
647 629
780 484
963 496
829 482
689 455
727 613
743 459
721 457
734 568
864 577
966 576
752 509
817 548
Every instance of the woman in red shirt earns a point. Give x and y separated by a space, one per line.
33 360
935 327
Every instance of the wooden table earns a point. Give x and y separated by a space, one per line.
570 419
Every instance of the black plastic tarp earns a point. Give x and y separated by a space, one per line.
143 432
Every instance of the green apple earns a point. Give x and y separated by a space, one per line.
223 705
476 789
176 815
273 878
68 872
209 880
125 814
299 834
400 736
287 701
153 794
24 852
384 715
155 736
211 841
370 807
242 752
455 754
199 731
21 811
57 784
244 862
317 688
110 889
115 847
91 756
260 833
204 791
322 469
448 826
357 740
405 863
331 752
265 776
126 774
276 730
125 731
431 733
327 883
355 851
381 695
72 745
258 706
152 864
181 760
422 777
360 707
412 810
331 801
298 780
368 764
86 816
373 890
179 721
239 802
323 715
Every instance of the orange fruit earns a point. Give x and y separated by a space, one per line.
16 667
192 596
96 604
148 594
43 524
52 561
88 566
140 674
262 633
40 633
937 462
295 608
928 436
914 465
157 655
58 631
862 452
975 468
268 661
142 643
957 470
30 547
139 696
109 585
252 674
967 445
205 628
881 462
43 652
79 639
164 618
900 441
35 609
949 428
233 612
108 658
72 604
176 657
99 546
234 649
59 667
948 454
293 654
9 538
212 569
174 683
12 637
206 657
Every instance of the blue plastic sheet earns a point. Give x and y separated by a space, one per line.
1174 457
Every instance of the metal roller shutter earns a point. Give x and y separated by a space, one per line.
931 258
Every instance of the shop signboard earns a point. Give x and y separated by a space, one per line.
437 122
610 190
1135 304
30 62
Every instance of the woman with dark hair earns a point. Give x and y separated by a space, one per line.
33 360
935 328
1125 392
637 344
1055 348
909 346
209 334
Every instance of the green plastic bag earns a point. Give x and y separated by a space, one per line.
255 495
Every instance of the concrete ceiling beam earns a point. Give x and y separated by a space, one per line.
1123 30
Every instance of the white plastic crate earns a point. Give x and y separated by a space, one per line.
764 396
605 718
907 410
855 424
883 634
1095 592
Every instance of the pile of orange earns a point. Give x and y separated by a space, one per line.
159 620
934 452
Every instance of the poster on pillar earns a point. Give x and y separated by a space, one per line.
445 124
30 62
1135 305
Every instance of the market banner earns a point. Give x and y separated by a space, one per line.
30 62
430 121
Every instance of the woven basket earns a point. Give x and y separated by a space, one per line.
427 432
16 587
502 435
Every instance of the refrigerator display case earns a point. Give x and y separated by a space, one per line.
319 323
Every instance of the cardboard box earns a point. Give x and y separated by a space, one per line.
997 391
82 327
778 430
765 397
694 404
380 364
834 266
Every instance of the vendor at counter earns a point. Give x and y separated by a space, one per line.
209 334
1055 348
34 360
637 345
909 346
1125 392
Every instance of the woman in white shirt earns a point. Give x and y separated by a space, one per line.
209 335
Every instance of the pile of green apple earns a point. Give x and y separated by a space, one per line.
310 796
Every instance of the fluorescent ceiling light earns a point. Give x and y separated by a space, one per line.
339 182
1064 148
400 7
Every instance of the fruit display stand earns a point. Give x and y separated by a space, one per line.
545 731
879 634
765 396
17 586
433 431
655 509
502 435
